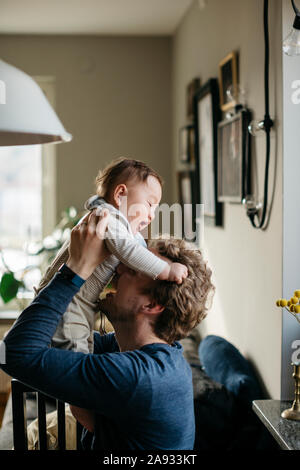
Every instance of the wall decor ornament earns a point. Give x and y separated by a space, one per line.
234 158
187 199
228 81
207 115
187 144
293 307
192 89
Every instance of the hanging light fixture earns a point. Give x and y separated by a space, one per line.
26 116
291 44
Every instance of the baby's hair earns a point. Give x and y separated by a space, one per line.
121 170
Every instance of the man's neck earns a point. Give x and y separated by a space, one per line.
130 338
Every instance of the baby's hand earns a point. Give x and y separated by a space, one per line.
175 272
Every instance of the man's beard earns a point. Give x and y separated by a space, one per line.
105 307
115 313
112 312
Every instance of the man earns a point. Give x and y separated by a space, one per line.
136 386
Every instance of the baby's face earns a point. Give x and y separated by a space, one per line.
141 202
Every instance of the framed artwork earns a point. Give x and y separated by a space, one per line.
187 199
183 144
228 77
187 144
207 113
192 88
234 158
191 144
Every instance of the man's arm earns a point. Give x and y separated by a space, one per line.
85 380
105 343
93 381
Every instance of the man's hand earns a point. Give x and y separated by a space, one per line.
87 248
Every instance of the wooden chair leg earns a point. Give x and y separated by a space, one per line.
79 429
61 425
19 416
18 391
41 402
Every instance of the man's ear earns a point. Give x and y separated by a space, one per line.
119 192
152 308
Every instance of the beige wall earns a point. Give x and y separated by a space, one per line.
247 263
112 93
114 96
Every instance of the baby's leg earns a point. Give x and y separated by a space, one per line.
75 329
61 258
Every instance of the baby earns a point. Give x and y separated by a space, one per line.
131 191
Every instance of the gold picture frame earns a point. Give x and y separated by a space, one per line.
228 76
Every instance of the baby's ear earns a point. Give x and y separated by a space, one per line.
120 191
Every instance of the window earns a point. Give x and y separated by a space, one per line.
27 200
20 195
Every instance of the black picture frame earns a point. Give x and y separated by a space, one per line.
183 144
187 189
234 158
228 77
186 144
207 115
192 88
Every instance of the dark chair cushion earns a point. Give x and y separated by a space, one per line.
215 410
225 364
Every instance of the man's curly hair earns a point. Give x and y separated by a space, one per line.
186 304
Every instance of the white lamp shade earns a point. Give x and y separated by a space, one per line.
26 117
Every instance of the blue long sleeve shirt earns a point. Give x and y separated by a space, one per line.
142 399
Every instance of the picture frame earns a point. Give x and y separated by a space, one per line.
191 144
228 77
207 114
187 198
191 90
183 144
187 144
234 158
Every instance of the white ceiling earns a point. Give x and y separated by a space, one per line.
107 17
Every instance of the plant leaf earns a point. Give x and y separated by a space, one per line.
9 287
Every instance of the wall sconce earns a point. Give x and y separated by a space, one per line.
291 44
253 207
